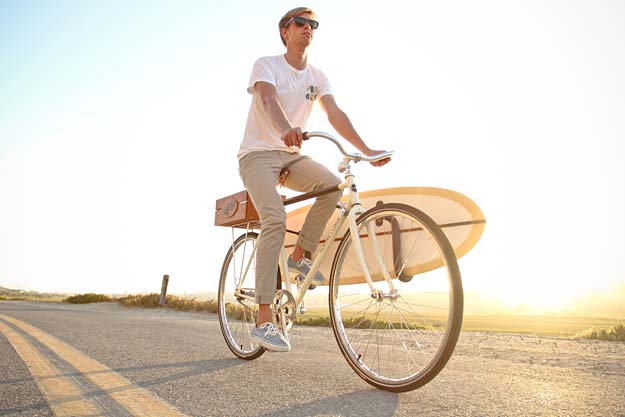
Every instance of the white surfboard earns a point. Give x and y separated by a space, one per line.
459 217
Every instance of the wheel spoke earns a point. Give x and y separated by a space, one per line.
357 302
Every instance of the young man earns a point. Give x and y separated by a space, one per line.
284 89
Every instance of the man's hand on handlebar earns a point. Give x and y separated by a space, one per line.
292 136
371 152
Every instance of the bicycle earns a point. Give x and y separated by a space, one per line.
395 291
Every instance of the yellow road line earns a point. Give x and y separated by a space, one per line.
138 401
61 393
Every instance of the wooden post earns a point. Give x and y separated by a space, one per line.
163 298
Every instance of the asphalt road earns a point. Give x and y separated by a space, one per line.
102 359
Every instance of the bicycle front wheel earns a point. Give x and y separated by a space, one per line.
399 334
237 309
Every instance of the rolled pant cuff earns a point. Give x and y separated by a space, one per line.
265 298
307 245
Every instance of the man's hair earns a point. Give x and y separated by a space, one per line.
291 13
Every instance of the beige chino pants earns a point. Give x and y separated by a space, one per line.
260 172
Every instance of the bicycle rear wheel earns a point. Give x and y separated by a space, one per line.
399 336
236 307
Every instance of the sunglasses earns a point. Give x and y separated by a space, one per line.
302 21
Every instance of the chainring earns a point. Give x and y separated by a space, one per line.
283 310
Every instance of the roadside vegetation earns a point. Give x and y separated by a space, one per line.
174 302
553 326
191 304
87 298
614 334
33 297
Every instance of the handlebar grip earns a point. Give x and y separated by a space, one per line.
305 136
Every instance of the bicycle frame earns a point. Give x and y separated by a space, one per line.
397 334
348 212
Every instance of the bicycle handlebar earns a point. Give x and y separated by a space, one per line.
352 156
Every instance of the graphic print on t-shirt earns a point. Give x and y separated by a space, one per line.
312 92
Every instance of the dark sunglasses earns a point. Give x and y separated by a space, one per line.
302 21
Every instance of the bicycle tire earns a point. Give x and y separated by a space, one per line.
237 316
422 327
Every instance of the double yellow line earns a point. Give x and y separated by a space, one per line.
64 396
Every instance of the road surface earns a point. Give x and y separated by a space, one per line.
103 359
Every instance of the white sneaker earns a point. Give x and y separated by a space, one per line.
269 337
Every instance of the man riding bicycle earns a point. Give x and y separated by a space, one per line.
284 89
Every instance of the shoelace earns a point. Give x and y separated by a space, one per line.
304 262
271 330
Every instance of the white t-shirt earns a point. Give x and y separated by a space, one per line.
297 91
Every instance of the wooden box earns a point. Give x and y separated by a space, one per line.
236 210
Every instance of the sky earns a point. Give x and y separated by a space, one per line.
120 123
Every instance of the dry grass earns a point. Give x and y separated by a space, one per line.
173 302
33 297
87 298
613 334
237 312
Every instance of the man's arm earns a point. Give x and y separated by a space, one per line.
341 123
291 136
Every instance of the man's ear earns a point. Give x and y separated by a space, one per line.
284 32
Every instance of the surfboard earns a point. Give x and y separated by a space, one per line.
458 216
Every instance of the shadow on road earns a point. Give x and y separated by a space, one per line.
191 368
372 402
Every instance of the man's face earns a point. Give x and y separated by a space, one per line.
298 32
